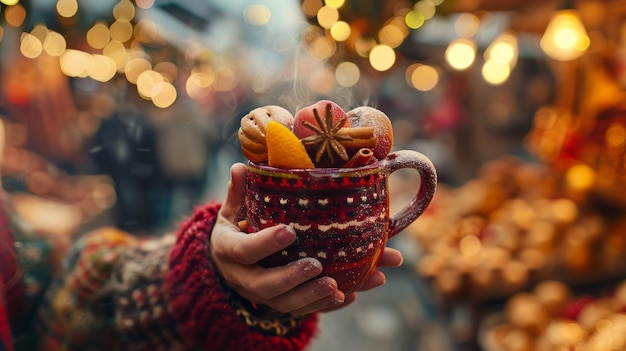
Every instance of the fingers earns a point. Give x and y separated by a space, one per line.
289 289
375 280
316 295
349 299
266 284
236 192
390 258
250 248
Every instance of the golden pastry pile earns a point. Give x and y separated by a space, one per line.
513 223
549 318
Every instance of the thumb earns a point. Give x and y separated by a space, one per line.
236 193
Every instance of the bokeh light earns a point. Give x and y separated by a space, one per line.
67 8
98 36
364 45
615 136
580 177
103 69
146 82
134 67
146 31
393 33
565 37
311 7
30 46
40 32
15 15
75 63
225 79
168 70
144 4
199 83
426 8
347 74
503 49
461 53
414 19
322 48
163 94
124 10
495 72
340 31
335 3
466 25
382 57
54 44
327 16
121 30
257 15
422 77
117 52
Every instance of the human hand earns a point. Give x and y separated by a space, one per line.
389 258
281 288
288 289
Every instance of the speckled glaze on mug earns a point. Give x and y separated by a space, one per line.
341 215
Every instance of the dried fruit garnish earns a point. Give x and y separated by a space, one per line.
284 149
326 138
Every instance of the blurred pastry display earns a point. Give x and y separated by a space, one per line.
550 318
517 223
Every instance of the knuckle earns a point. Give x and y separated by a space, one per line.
256 289
306 299
239 253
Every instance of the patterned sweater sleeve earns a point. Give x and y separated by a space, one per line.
120 292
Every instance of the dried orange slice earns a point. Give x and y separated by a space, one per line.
284 149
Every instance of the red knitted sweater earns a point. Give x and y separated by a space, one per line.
200 305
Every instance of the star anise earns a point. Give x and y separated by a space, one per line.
326 138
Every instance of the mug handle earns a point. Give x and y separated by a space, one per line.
428 183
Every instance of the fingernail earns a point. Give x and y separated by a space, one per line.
325 286
286 235
336 301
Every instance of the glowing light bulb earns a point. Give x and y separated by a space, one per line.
565 37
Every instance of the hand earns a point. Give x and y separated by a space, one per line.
235 254
284 289
389 258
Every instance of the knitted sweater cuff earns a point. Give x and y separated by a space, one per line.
202 306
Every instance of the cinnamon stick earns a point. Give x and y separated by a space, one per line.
357 132
361 158
368 143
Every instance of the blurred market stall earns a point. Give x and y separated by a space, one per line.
125 113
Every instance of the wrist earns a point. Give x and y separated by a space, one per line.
259 317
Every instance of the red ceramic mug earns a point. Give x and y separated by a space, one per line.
340 215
